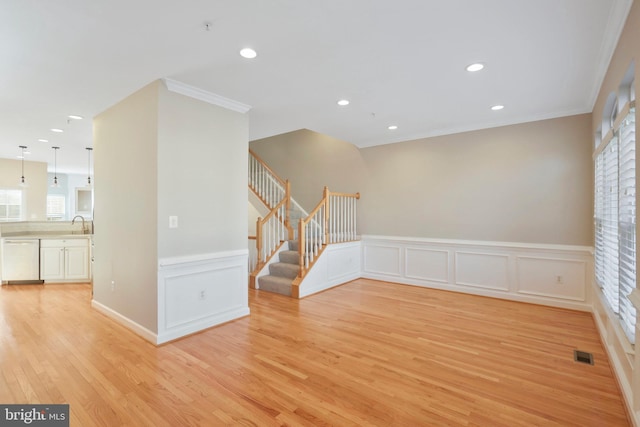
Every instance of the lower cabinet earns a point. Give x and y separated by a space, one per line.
64 260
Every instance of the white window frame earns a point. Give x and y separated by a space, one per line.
615 213
54 213
5 194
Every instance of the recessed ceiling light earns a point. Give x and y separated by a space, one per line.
477 66
343 102
57 130
74 117
497 107
248 53
392 127
43 140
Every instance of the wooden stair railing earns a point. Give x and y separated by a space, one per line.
265 183
275 228
332 221
271 232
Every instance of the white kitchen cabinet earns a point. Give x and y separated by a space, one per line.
64 260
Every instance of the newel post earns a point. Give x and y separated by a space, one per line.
259 240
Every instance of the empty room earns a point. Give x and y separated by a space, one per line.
362 213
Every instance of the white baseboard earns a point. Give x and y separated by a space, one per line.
125 321
201 324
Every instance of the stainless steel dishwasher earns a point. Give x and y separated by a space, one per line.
21 260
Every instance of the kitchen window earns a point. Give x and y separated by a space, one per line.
10 205
56 204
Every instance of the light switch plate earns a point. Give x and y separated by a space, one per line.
173 222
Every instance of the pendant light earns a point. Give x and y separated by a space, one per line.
22 181
55 166
89 149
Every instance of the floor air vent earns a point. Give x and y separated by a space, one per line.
583 357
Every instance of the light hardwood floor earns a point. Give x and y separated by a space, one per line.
365 353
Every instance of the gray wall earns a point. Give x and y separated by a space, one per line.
527 183
202 177
311 160
161 154
126 243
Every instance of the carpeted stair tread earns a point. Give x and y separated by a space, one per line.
283 269
290 257
281 274
279 285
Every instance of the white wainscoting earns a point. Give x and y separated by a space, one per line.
427 264
482 270
338 264
620 351
553 275
198 292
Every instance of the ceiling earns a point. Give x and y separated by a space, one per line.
398 63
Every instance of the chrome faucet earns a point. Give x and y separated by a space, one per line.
74 220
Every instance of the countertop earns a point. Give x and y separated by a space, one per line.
44 235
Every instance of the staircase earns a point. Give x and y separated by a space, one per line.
283 273
332 221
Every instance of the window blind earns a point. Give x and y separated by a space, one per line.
615 217
599 215
610 223
627 220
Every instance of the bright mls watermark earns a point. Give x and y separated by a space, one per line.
34 415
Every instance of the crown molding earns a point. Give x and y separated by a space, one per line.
452 130
203 95
616 22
